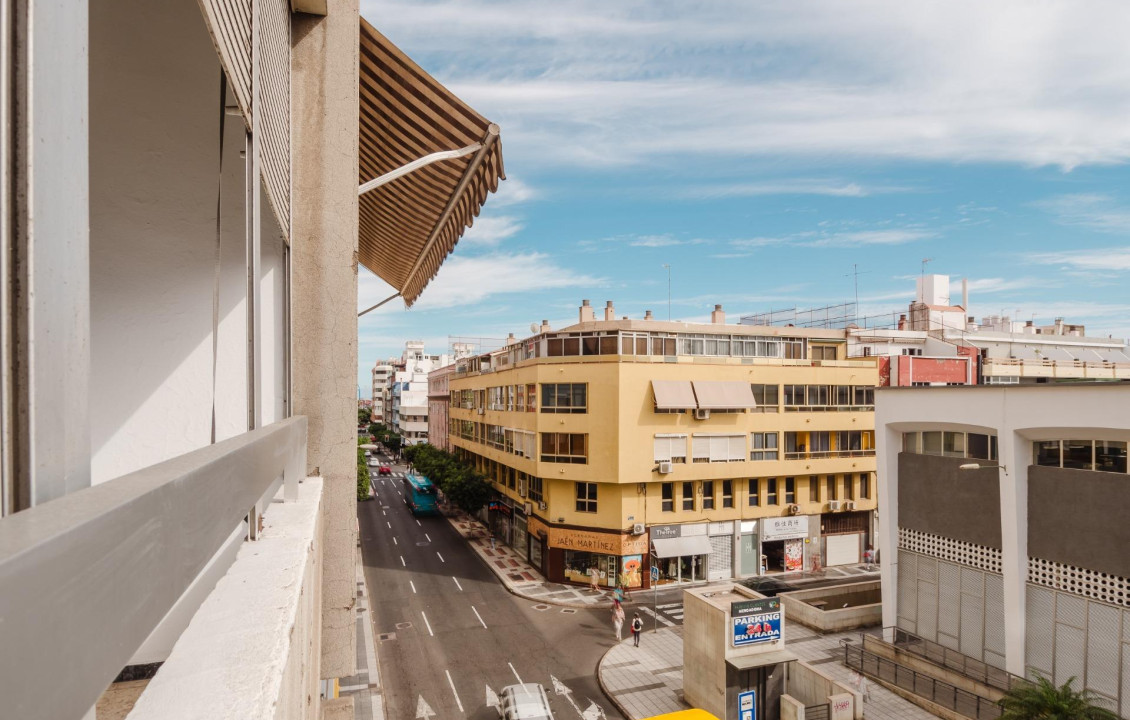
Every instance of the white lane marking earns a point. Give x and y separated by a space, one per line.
394 542
389 524
452 684
413 586
402 561
429 537
418 523
660 618
430 625
515 673
440 557
480 617
669 605
457 583
400 493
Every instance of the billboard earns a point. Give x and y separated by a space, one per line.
755 621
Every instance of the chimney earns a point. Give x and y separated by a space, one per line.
902 322
544 326
586 314
647 315
609 311
718 317
510 339
965 293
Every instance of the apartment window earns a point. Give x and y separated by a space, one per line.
564 397
771 491
531 398
831 487
864 395
708 495
1110 456
767 397
719 448
663 346
855 442
688 496
953 444
633 343
510 398
511 478
1078 454
763 446
794 396
667 491
932 443
564 448
865 486
790 490
912 442
754 493
727 493
671 448
813 490
822 352
520 398
536 489
586 497
849 487
977 446
818 395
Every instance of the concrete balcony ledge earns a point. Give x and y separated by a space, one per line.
252 649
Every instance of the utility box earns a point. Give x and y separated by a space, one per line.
734 660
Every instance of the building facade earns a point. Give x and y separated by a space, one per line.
409 392
619 445
381 389
1003 529
438 402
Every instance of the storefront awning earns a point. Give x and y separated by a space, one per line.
408 226
681 546
724 395
673 395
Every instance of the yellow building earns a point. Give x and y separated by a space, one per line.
704 450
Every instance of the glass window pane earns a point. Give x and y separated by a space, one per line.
641 345
608 345
1077 454
626 345
1047 453
1110 456
953 444
572 346
932 443
978 446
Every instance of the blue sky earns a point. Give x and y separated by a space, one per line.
763 148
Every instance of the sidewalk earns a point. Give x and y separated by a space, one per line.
518 576
648 680
365 686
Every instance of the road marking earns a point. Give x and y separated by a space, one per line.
418 523
423 710
515 673
440 557
452 684
413 586
670 605
430 626
429 537
403 565
394 542
480 617
457 583
388 523
660 618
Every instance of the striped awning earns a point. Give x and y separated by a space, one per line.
409 226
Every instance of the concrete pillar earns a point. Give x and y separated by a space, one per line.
889 442
1015 452
324 296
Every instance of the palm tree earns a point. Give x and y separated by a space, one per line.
1042 700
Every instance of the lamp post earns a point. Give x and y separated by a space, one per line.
979 466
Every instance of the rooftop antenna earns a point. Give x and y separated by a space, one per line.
855 273
925 262
668 291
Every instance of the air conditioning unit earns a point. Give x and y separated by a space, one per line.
638 529
794 509
666 467
849 505
701 414
542 505
833 505
528 508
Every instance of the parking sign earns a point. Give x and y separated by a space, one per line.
747 705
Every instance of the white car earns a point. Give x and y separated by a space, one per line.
524 702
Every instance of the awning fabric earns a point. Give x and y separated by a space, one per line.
409 226
724 395
673 395
681 546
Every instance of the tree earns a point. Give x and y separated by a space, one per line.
377 429
393 442
1042 700
362 476
468 489
363 416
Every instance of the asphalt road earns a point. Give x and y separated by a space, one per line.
448 633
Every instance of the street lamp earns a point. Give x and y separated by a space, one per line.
979 466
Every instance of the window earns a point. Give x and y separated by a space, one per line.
864 395
794 396
688 496
819 395
1110 456
564 447
763 446
531 398
754 493
727 493
672 448
663 345
822 352
633 343
813 490
953 444
977 446
667 491
586 497
564 397
707 494
771 491
767 398
865 486
830 481
536 485
719 448
520 398
911 442
790 490
932 443
849 487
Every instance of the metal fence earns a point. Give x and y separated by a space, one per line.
818 712
924 686
948 658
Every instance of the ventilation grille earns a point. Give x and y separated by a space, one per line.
978 556
1080 581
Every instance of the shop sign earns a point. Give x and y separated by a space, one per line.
663 532
784 528
760 623
747 705
496 506
597 542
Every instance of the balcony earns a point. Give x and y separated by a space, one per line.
826 454
1058 369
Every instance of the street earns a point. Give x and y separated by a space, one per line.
449 636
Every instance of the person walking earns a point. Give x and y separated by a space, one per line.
617 619
637 628
869 557
594 579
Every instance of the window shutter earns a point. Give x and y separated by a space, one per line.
737 447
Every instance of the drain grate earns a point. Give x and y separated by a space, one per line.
403 626
384 637
542 608
569 611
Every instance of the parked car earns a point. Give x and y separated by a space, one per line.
524 702
373 462
384 470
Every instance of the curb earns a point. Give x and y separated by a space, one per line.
600 681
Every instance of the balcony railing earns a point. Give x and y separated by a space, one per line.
85 578
823 454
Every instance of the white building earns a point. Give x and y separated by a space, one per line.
409 392
1003 530
381 389
179 241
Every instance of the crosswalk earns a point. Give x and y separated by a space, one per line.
666 614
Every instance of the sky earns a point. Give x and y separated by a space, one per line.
767 151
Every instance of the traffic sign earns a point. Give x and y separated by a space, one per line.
654 574
747 705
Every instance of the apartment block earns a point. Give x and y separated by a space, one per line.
706 451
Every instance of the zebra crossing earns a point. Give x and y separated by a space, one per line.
666 614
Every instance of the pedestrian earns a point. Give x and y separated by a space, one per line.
617 619
594 579
637 628
869 557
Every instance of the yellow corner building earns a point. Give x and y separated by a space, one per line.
705 451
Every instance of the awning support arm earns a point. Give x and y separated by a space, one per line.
416 165
382 302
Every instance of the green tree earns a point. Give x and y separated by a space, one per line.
363 416
1042 700
393 442
468 489
362 476
377 429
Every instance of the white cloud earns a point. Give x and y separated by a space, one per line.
490 231
512 191
1091 210
1115 259
464 281
994 285
870 237
801 186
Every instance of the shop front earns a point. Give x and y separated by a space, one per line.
750 551
844 536
681 553
500 514
782 543
519 536
579 556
